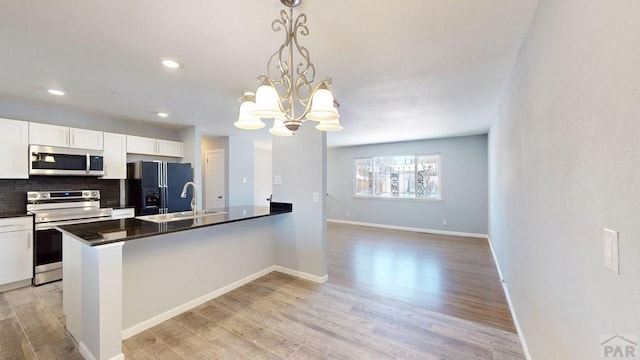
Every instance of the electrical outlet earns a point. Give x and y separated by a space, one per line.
348 214
445 222
244 180
277 180
316 197
611 250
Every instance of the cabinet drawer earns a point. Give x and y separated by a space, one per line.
16 224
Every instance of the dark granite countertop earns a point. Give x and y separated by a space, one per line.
111 231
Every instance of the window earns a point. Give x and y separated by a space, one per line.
404 177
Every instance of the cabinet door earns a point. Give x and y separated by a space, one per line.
141 145
16 256
115 156
14 145
170 148
86 139
48 135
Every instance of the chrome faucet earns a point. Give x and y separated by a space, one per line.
194 202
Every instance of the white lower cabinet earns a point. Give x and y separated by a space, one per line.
16 249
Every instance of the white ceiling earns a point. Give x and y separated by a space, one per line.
424 69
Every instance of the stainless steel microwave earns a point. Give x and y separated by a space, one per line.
49 160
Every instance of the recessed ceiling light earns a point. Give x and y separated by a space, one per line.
163 114
171 64
56 92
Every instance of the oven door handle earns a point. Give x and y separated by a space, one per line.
88 162
51 225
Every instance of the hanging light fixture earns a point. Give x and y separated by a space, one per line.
287 86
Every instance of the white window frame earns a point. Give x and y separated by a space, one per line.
415 197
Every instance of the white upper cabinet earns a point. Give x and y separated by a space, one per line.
115 156
141 145
170 148
62 136
49 135
86 139
14 144
150 146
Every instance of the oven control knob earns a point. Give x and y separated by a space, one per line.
41 219
33 195
85 194
94 193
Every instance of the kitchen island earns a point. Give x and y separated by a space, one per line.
122 277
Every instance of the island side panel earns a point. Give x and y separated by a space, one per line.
167 274
72 285
102 301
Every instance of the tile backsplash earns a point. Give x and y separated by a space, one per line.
13 193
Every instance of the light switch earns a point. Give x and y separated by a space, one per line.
277 180
611 250
244 180
316 197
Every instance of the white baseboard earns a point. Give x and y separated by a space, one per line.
84 351
301 275
405 228
149 323
525 349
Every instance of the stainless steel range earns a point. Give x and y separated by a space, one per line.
55 208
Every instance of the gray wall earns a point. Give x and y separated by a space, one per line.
301 239
262 169
240 176
238 165
464 187
564 163
191 137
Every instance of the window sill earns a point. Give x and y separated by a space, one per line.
430 200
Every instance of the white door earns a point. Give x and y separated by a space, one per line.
215 179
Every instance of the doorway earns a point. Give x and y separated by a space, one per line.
214 175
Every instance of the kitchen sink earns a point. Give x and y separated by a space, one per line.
184 215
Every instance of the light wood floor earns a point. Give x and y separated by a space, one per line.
452 275
282 317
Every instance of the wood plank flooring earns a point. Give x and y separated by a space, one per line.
282 317
452 275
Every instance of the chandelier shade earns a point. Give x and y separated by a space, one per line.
322 106
279 129
267 103
288 89
247 120
329 125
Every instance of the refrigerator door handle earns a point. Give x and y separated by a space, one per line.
165 195
159 173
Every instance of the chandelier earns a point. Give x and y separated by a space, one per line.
287 86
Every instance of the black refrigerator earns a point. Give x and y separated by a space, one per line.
154 187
